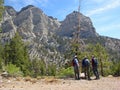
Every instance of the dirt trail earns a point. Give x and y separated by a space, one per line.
104 83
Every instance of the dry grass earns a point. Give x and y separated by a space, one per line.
51 79
29 79
19 78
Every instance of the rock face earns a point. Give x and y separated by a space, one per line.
48 38
35 28
70 25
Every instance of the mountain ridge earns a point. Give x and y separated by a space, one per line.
48 38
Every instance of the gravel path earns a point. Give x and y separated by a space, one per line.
104 83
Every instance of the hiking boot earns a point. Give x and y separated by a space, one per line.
89 79
78 78
97 78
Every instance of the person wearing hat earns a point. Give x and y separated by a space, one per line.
76 67
86 67
95 67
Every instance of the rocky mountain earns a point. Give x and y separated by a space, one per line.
46 37
36 29
88 33
70 24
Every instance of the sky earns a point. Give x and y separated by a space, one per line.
105 14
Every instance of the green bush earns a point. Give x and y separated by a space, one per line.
51 70
107 72
116 69
13 71
68 72
0 63
38 68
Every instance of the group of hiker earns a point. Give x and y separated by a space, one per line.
86 63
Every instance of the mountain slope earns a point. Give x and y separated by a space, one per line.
46 37
70 25
88 33
36 29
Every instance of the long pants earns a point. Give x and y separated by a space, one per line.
95 71
77 73
86 70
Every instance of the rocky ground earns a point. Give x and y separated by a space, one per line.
104 83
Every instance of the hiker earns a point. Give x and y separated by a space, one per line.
95 67
86 67
76 67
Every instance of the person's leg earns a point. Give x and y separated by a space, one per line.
88 72
97 73
78 73
78 77
75 76
75 73
85 72
94 71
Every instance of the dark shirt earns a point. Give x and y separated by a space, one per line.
93 63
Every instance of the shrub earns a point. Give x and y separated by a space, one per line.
51 70
116 69
1 64
38 68
68 72
13 71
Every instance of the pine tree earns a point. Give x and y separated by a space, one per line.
38 67
1 57
1 8
1 47
103 58
6 53
101 54
1 11
18 55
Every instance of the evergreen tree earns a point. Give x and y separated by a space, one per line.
38 67
101 54
1 57
6 53
1 8
1 11
1 47
69 54
116 68
18 55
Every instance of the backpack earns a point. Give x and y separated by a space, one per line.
74 62
85 62
95 62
